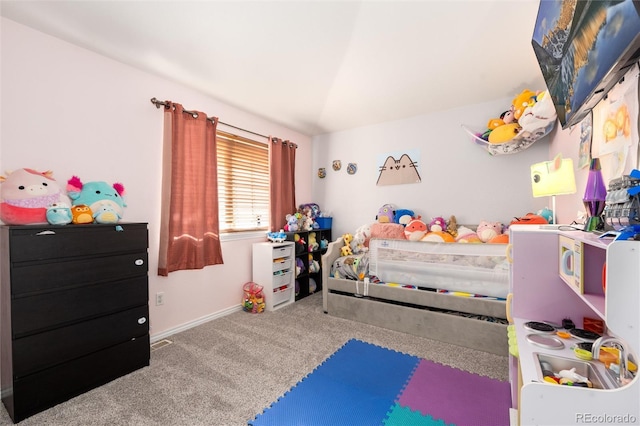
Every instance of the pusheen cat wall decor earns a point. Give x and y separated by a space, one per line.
337 165
352 168
322 172
396 172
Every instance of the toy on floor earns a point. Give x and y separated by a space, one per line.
25 195
253 298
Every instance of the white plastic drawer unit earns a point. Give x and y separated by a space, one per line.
282 251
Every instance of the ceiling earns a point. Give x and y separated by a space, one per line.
313 66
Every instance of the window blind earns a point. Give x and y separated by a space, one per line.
243 183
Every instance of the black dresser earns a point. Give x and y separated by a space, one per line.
74 306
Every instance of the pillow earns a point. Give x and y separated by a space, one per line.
392 231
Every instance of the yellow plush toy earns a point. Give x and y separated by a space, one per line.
522 101
346 249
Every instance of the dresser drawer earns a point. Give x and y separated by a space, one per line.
29 243
30 278
42 390
43 350
52 310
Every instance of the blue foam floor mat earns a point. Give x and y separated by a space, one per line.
340 397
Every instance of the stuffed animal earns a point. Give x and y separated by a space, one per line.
81 213
504 133
59 214
467 235
547 213
346 249
314 265
97 195
539 114
452 226
529 219
437 224
523 100
299 266
385 214
438 237
403 216
360 243
415 230
25 195
292 223
313 243
488 230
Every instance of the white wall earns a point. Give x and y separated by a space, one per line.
458 177
72 111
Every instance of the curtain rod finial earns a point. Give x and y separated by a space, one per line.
155 102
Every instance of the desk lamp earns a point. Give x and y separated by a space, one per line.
551 178
595 195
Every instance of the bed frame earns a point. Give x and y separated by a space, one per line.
414 311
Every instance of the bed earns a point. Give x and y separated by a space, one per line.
450 292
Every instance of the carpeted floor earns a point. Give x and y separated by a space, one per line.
228 370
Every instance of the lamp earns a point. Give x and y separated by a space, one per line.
551 178
595 195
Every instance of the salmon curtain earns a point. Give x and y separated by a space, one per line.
189 232
282 161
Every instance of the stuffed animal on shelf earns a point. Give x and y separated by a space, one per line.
488 230
81 213
25 195
59 214
299 266
292 223
313 243
386 214
346 249
99 196
314 265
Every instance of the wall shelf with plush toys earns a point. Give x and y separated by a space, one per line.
530 117
310 230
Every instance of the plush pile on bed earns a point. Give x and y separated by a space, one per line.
478 270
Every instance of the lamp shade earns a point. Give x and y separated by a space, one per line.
554 177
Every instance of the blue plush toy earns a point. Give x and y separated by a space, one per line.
59 214
106 201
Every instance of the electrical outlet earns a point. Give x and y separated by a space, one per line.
159 299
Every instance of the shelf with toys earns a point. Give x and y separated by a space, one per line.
310 231
530 117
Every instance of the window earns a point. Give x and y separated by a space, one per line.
243 183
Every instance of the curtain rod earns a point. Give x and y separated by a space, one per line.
157 103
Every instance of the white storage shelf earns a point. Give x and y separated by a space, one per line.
273 265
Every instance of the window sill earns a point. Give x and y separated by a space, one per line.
236 236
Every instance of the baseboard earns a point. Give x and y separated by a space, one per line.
194 323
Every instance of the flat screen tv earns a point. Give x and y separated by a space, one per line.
584 48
